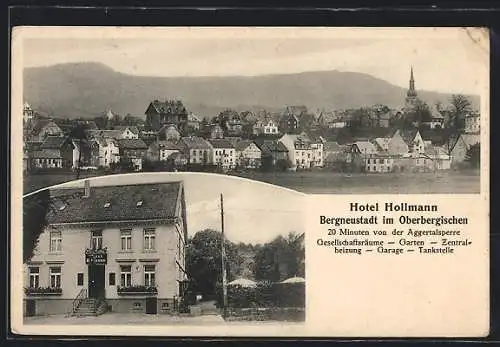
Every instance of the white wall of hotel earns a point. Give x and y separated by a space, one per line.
167 257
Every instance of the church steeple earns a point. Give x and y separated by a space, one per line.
411 91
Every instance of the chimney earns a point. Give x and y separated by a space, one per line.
87 189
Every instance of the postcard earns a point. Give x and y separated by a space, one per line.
223 181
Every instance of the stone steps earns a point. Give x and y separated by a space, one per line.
90 307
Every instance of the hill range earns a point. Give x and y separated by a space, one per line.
87 90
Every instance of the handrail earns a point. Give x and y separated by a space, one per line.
79 298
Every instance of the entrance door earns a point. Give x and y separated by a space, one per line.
151 305
96 281
30 308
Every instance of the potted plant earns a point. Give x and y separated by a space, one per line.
137 290
42 291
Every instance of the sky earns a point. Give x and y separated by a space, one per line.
445 59
254 212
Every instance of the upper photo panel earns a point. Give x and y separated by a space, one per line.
316 110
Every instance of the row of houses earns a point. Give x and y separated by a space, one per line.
399 151
47 145
402 151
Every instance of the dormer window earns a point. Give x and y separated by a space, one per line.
107 204
139 203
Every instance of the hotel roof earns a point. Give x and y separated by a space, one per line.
159 202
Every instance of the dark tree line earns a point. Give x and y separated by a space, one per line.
35 209
274 261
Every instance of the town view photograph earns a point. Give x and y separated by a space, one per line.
162 249
354 112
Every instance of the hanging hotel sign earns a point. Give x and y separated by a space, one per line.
96 256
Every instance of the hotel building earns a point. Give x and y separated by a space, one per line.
109 248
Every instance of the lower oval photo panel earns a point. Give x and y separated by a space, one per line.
158 249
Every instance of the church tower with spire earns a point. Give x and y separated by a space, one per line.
411 95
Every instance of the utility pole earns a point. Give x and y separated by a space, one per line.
224 286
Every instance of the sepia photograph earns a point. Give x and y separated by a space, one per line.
167 249
368 111
226 181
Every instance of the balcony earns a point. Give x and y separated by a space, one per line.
42 291
96 256
137 290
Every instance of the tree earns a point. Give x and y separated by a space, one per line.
460 106
126 164
101 122
473 155
35 208
281 258
306 121
247 131
420 113
204 261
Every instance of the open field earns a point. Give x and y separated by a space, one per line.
327 182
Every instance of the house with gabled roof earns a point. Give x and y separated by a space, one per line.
232 121
363 148
104 248
104 151
393 144
223 153
414 140
248 154
462 145
54 152
169 132
83 158
289 124
216 131
335 154
272 151
159 113
28 113
196 149
472 123
358 152
379 162
127 131
193 122
437 157
43 128
133 150
161 150
300 151
437 119
107 134
266 126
